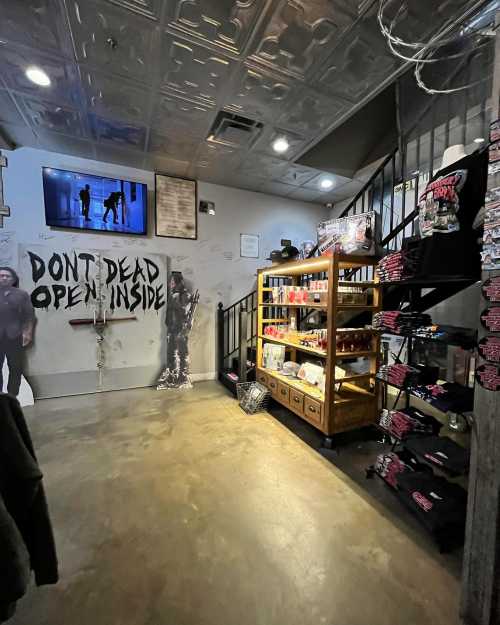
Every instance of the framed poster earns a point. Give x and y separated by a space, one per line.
175 207
249 245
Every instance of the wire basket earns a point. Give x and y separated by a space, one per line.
253 397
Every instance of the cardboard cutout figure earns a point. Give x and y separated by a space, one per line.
17 322
180 314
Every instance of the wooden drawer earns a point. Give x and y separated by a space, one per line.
262 378
272 385
297 401
312 410
283 393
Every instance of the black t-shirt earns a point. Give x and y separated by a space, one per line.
447 209
440 451
438 503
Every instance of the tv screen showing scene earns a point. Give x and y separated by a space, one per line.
89 202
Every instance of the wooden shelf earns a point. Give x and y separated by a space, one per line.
317 352
352 406
317 306
299 385
357 307
301 348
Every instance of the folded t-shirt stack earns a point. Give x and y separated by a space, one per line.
441 452
390 268
389 466
448 397
399 374
398 266
439 504
399 322
408 422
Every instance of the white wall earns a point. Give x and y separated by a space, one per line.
212 263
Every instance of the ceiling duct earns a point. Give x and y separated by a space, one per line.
234 130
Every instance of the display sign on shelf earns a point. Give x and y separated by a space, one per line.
358 235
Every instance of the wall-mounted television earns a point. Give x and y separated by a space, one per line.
90 202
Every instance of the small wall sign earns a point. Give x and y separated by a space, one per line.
488 376
490 318
249 245
491 289
489 348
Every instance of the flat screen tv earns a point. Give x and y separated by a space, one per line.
90 202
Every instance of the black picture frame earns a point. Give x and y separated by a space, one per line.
194 205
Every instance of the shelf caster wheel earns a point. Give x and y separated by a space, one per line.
328 442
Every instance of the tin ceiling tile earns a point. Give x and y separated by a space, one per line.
225 24
303 194
299 33
111 154
315 182
172 113
269 136
58 142
216 159
38 24
21 135
341 192
8 110
257 164
147 8
113 39
115 99
118 133
165 165
192 71
312 111
64 87
181 147
355 69
259 94
52 117
277 188
297 175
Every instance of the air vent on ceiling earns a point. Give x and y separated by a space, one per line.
234 130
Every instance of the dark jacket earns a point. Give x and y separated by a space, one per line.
25 528
16 312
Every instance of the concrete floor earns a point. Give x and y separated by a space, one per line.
176 508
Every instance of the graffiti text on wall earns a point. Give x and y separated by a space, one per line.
66 280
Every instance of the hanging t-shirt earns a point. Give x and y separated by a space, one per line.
447 209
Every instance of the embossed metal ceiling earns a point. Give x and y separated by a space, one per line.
140 82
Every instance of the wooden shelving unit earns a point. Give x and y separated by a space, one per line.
355 403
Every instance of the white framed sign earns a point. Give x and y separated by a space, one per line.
249 245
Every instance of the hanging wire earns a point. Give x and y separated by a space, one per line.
425 51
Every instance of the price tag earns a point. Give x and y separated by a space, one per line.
490 319
491 289
489 348
488 376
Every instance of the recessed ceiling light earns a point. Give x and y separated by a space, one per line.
326 183
38 76
281 145
479 140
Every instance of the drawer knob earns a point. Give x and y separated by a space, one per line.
283 391
312 408
296 400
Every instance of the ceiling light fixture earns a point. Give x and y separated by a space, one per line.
38 76
326 184
281 145
479 140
